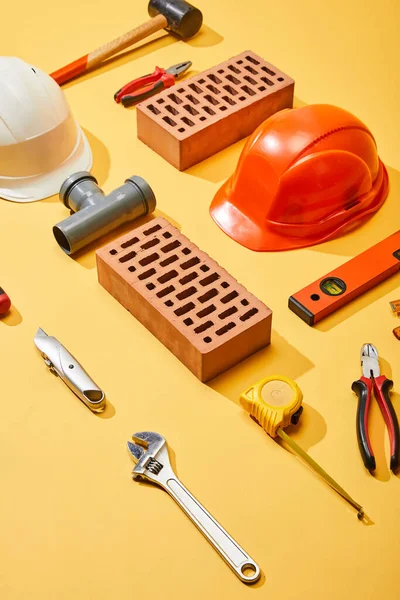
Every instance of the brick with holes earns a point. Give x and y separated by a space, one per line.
204 114
191 304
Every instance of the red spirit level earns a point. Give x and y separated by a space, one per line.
314 302
5 302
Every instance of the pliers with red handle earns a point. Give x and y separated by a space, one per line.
373 380
149 85
5 302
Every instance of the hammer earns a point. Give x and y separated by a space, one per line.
177 16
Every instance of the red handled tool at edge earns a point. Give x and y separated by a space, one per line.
372 379
5 302
149 85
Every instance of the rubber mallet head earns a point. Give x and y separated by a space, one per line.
183 19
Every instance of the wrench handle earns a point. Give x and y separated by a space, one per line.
238 560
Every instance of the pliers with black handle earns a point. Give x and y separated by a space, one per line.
373 380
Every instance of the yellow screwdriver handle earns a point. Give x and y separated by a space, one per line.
274 402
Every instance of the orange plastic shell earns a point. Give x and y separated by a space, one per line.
305 176
359 274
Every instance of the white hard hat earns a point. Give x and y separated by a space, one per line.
41 144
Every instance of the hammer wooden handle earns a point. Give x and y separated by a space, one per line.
95 58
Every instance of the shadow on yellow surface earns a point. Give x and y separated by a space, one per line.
205 38
53 198
101 163
377 433
12 318
358 304
108 412
310 430
258 583
222 165
385 367
385 222
298 103
278 358
101 158
365 519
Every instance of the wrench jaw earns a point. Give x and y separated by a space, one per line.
150 453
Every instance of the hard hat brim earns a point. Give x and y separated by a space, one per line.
262 237
38 187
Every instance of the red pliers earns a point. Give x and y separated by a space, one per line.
149 85
372 379
5 302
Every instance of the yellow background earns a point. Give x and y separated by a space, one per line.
72 522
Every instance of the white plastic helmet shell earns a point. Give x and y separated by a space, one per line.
41 144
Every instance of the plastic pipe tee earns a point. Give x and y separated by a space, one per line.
94 214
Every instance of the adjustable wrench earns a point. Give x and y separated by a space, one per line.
150 453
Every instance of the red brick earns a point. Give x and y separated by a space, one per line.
204 114
174 289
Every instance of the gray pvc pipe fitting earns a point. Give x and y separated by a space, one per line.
95 214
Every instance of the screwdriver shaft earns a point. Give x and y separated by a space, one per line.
311 462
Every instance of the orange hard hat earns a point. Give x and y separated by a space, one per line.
305 176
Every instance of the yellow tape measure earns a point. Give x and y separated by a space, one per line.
276 402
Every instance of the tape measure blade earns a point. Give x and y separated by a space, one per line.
317 468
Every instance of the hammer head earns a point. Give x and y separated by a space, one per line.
183 19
